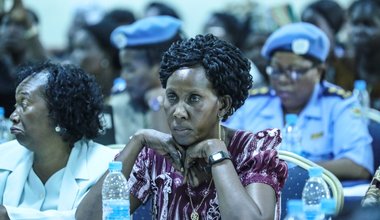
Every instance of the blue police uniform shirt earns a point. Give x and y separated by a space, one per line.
330 123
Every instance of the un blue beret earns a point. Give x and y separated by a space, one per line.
300 38
146 31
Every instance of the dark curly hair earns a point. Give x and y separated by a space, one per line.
73 97
225 66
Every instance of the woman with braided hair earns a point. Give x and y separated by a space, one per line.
201 170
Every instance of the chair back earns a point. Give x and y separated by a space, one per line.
297 177
374 130
144 212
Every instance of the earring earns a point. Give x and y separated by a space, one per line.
220 117
57 129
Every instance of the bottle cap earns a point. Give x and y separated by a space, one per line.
115 166
291 119
119 80
2 111
119 85
315 171
294 206
328 206
360 85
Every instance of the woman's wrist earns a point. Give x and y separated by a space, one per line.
214 147
135 144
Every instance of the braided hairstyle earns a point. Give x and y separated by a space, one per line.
73 97
225 66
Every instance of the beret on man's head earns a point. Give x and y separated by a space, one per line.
146 31
300 38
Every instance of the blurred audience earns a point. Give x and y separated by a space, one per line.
333 133
339 67
83 15
228 27
92 49
19 44
159 8
46 172
141 46
364 22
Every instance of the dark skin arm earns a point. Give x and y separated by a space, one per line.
346 169
91 206
255 201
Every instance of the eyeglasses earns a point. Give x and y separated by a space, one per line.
293 74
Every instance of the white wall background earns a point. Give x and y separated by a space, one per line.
55 15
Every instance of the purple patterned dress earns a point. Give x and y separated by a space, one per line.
254 157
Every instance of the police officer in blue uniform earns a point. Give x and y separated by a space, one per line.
333 132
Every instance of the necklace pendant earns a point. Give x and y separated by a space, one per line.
194 215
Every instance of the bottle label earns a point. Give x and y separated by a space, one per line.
116 210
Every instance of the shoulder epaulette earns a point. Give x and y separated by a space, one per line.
259 91
336 91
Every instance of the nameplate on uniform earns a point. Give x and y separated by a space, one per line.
316 135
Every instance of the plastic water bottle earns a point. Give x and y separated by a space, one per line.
119 85
115 194
294 210
291 135
360 91
4 130
328 207
314 191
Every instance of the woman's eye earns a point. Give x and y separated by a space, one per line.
24 105
171 97
195 98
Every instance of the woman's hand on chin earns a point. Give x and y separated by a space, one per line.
163 144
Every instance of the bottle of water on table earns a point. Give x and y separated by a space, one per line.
294 210
314 191
328 207
115 194
360 91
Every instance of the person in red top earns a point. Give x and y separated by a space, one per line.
201 170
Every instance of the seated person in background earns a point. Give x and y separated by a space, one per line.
141 46
227 26
53 163
159 8
364 26
92 50
19 44
333 133
340 68
201 170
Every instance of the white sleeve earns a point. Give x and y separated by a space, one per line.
19 213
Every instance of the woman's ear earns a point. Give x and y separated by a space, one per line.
225 104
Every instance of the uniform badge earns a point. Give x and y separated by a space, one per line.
300 46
